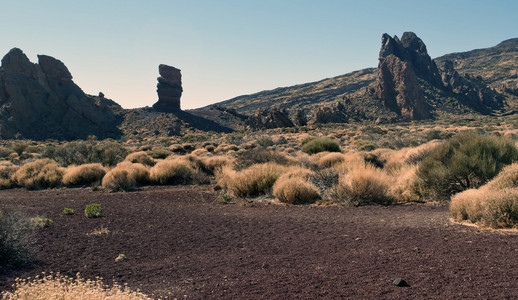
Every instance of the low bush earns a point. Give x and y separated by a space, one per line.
17 239
125 177
108 153
254 181
68 211
364 186
6 173
19 148
63 287
140 157
175 171
40 222
83 174
316 145
491 208
213 163
247 158
295 190
159 153
330 159
465 161
39 174
93 211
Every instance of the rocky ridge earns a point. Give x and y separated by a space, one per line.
40 101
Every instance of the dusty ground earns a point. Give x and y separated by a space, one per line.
179 241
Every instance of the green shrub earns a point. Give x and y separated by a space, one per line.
465 161
224 199
19 148
317 145
40 222
93 211
159 153
108 153
17 239
68 211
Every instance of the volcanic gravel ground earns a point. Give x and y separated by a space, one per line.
181 243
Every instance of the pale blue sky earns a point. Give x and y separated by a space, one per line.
227 48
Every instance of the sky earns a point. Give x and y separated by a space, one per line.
228 48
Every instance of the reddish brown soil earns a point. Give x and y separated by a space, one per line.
179 241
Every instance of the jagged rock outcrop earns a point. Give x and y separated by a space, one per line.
399 89
335 113
401 63
300 118
169 89
270 118
472 89
40 101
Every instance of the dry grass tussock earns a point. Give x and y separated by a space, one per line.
42 173
491 208
363 185
140 157
175 170
255 180
328 159
83 174
6 172
126 176
63 287
295 190
494 204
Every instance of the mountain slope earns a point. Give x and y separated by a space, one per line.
304 96
497 67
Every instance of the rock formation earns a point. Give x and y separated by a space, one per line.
336 113
40 101
270 118
401 63
169 89
472 90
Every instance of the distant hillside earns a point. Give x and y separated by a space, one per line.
305 96
497 67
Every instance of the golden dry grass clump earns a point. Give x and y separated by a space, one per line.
294 188
494 204
126 176
83 174
63 287
253 181
6 172
41 173
174 170
140 157
364 185
328 159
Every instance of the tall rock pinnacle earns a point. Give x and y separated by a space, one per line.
401 63
169 89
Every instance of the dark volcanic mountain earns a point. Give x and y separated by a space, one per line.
40 101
